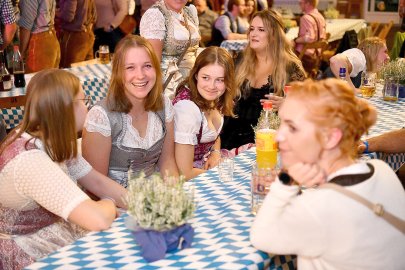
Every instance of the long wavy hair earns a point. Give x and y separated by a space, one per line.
209 56
279 50
116 97
49 114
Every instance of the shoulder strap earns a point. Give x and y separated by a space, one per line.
317 26
377 208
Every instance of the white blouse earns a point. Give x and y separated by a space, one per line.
187 124
97 121
153 25
32 178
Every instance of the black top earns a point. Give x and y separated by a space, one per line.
239 131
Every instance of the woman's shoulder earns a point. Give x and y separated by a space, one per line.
192 10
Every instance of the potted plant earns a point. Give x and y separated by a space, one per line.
158 210
395 69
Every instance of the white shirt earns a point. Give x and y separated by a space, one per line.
97 121
187 124
32 178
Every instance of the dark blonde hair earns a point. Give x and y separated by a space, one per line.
209 56
116 97
332 104
370 47
49 113
279 50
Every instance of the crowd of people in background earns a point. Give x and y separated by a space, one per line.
175 102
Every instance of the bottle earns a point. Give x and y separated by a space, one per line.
342 73
18 68
6 77
266 146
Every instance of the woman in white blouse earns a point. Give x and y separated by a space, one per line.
172 28
321 123
41 208
200 104
132 128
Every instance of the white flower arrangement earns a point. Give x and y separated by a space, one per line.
395 69
331 13
157 204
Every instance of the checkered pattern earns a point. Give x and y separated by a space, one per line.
95 82
222 222
336 28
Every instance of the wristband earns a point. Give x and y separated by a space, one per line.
365 150
285 178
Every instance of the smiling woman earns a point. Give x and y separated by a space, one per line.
201 102
132 128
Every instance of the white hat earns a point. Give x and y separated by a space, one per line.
357 60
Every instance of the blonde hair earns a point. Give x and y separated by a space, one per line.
370 47
331 103
279 50
209 56
116 97
49 113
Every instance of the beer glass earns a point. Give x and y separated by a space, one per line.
368 81
103 54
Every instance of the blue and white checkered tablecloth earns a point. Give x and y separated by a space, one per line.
222 222
391 116
95 81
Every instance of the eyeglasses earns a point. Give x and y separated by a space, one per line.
87 101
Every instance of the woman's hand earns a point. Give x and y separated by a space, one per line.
307 175
275 100
212 160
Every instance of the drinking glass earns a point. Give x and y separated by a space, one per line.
260 185
390 90
225 169
103 54
368 81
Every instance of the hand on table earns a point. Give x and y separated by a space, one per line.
212 160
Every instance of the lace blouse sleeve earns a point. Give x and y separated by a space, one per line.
169 110
187 122
152 24
78 167
37 177
97 121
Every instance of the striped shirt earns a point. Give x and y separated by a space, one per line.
7 14
37 15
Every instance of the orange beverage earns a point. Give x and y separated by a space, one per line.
266 148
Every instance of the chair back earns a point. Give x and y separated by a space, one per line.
385 29
312 62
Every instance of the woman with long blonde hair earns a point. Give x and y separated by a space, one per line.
268 64
133 126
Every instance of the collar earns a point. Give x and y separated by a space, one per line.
353 179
